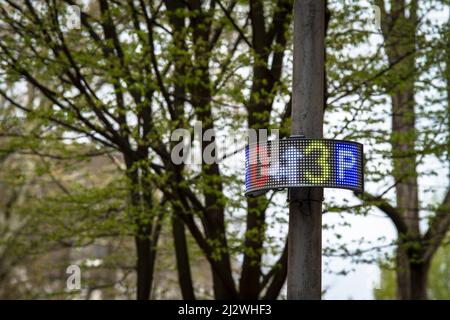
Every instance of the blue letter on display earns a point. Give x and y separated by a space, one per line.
346 163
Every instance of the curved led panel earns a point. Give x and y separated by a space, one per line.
301 162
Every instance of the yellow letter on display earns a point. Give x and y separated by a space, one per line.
322 177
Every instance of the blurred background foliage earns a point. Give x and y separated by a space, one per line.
85 121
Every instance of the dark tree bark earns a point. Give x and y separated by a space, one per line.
147 232
400 41
265 77
214 216
182 258
279 276
419 280
177 22
201 93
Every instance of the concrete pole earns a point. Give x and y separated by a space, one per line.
305 206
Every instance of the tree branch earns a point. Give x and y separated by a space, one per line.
438 229
388 209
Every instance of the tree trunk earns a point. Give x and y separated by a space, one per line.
145 246
399 32
411 278
214 224
182 257
249 284
143 267
201 90
418 280
402 275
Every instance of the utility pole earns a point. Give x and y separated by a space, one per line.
305 204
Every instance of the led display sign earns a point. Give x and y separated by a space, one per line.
300 162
